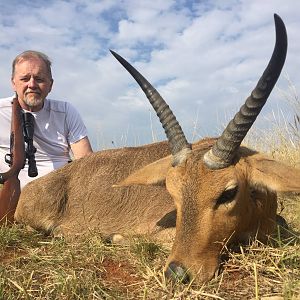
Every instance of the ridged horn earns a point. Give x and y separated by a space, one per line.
223 151
177 141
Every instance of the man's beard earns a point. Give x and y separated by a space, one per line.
33 101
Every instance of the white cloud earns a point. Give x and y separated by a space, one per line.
204 57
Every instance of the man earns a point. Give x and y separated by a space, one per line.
58 128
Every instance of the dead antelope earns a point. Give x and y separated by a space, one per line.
222 192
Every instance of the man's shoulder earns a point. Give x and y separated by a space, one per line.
56 105
6 102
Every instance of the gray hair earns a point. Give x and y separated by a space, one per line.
32 54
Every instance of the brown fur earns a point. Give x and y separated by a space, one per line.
122 191
204 225
79 197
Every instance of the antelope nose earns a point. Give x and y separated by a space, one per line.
177 272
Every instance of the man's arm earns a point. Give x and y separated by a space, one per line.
81 148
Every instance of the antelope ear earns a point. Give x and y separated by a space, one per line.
152 174
274 175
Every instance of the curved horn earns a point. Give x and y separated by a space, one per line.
177 142
223 151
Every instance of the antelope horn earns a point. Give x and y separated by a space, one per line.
223 151
177 141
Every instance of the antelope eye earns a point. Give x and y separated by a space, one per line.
227 196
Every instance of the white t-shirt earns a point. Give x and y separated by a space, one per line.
56 126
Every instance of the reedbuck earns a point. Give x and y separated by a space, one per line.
222 192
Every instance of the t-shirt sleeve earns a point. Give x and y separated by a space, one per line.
75 125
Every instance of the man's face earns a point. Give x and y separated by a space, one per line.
32 83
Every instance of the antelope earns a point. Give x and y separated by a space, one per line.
217 190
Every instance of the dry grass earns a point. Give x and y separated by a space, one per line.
37 267
33 266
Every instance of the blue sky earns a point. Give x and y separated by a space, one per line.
204 57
